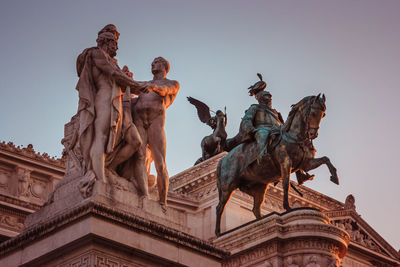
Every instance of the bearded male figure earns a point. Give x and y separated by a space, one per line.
148 112
106 139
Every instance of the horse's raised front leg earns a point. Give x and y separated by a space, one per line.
315 163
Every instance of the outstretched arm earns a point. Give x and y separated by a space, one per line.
165 88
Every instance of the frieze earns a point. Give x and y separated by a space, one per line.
21 203
99 259
83 260
250 257
31 153
311 243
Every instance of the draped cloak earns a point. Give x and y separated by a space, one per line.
86 110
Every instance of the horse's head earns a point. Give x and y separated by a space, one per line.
316 111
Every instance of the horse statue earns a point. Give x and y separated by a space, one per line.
212 144
291 150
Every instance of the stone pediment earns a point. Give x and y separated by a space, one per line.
362 236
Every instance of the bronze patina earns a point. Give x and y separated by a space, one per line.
290 150
212 144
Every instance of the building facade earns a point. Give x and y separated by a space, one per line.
46 221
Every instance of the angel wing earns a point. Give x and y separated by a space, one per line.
203 111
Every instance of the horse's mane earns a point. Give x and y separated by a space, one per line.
293 111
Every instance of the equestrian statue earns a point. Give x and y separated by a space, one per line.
267 150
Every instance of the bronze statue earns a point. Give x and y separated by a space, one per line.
291 150
256 125
212 144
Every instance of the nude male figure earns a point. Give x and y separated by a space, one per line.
106 137
149 117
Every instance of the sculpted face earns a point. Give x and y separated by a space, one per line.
265 98
157 66
112 47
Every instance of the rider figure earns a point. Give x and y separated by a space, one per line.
257 123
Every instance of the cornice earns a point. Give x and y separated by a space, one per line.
132 221
28 153
16 204
189 179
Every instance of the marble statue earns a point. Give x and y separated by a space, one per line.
101 124
148 112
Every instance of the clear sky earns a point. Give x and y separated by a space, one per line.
349 50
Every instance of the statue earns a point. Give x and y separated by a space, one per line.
212 144
105 138
148 112
290 150
257 124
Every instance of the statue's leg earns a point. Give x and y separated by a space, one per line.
225 193
259 197
132 144
261 137
101 132
286 166
140 172
311 164
257 191
157 144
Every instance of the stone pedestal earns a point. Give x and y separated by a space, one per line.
300 238
110 227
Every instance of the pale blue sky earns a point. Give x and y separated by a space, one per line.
349 50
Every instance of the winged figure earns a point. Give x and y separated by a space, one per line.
212 144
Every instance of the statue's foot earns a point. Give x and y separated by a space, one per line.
141 200
163 207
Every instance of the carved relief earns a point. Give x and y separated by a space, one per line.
81 261
23 176
357 235
4 176
12 222
291 262
72 150
38 188
312 261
